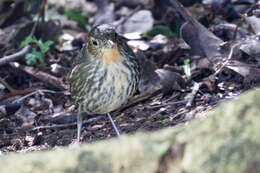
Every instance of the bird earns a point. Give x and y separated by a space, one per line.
105 74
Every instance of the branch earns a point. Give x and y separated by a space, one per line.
195 89
41 75
14 57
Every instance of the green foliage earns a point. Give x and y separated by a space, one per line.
159 29
164 121
186 68
45 47
78 17
28 40
31 58
35 55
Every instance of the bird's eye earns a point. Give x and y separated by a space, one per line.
94 42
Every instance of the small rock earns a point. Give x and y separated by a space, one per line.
141 22
142 45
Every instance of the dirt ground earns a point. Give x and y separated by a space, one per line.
181 78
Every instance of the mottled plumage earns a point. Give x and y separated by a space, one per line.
105 74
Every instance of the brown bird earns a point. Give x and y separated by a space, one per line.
105 75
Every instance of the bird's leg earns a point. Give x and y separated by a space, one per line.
114 125
79 125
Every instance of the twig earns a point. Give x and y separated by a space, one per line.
15 92
180 113
18 92
34 28
16 56
41 10
227 60
6 85
195 89
34 92
168 104
223 64
54 81
67 125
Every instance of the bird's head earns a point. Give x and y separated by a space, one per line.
104 44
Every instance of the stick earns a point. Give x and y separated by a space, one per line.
18 92
67 125
195 89
14 57
39 90
7 86
54 81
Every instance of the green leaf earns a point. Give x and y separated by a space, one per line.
28 40
34 56
159 29
77 16
45 46
48 43
186 68
41 59
164 121
187 62
31 58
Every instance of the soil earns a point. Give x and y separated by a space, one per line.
47 118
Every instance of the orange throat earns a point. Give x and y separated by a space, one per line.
111 55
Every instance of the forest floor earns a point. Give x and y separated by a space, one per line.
187 70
